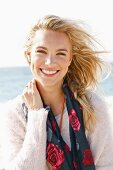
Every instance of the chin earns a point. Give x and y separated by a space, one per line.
48 84
51 83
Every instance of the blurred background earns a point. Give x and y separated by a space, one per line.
17 17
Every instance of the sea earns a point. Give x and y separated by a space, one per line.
14 79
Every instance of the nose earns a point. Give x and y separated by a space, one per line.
49 60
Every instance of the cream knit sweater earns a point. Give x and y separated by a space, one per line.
24 143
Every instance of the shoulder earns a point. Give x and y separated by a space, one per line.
104 115
101 139
99 104
13 110
95 98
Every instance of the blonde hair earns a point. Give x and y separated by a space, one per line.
82 72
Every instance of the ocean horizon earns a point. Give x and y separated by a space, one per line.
14 79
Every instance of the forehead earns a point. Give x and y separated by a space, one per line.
53 38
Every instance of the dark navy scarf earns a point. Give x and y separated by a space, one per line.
59 155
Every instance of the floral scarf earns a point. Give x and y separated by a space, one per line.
59 155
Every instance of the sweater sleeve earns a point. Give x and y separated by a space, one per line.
23 144
101 139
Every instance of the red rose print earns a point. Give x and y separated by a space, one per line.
67 149
55 156
53 123
75 164
88 158
72 111
73 119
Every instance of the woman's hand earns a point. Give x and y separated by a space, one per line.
31 96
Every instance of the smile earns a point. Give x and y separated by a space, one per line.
49 72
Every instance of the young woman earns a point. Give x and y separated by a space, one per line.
59 122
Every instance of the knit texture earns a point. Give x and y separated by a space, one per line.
24 143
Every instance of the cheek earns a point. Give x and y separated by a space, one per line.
64 63
35 62
65 60
35 59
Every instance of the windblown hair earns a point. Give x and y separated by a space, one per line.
82 72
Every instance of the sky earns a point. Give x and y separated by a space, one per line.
17 17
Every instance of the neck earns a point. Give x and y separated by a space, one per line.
52 97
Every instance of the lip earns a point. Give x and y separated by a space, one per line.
49 69
47 74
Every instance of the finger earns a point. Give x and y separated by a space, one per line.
36 84
25 90
35 88
22 97
27 84
33 82
29 87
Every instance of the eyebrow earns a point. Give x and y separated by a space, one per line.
42 47
62 49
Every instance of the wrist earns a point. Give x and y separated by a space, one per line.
33 114
34 109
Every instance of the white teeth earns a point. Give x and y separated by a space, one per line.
49 72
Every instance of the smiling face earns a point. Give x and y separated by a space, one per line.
50 57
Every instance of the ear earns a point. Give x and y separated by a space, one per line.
28 56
